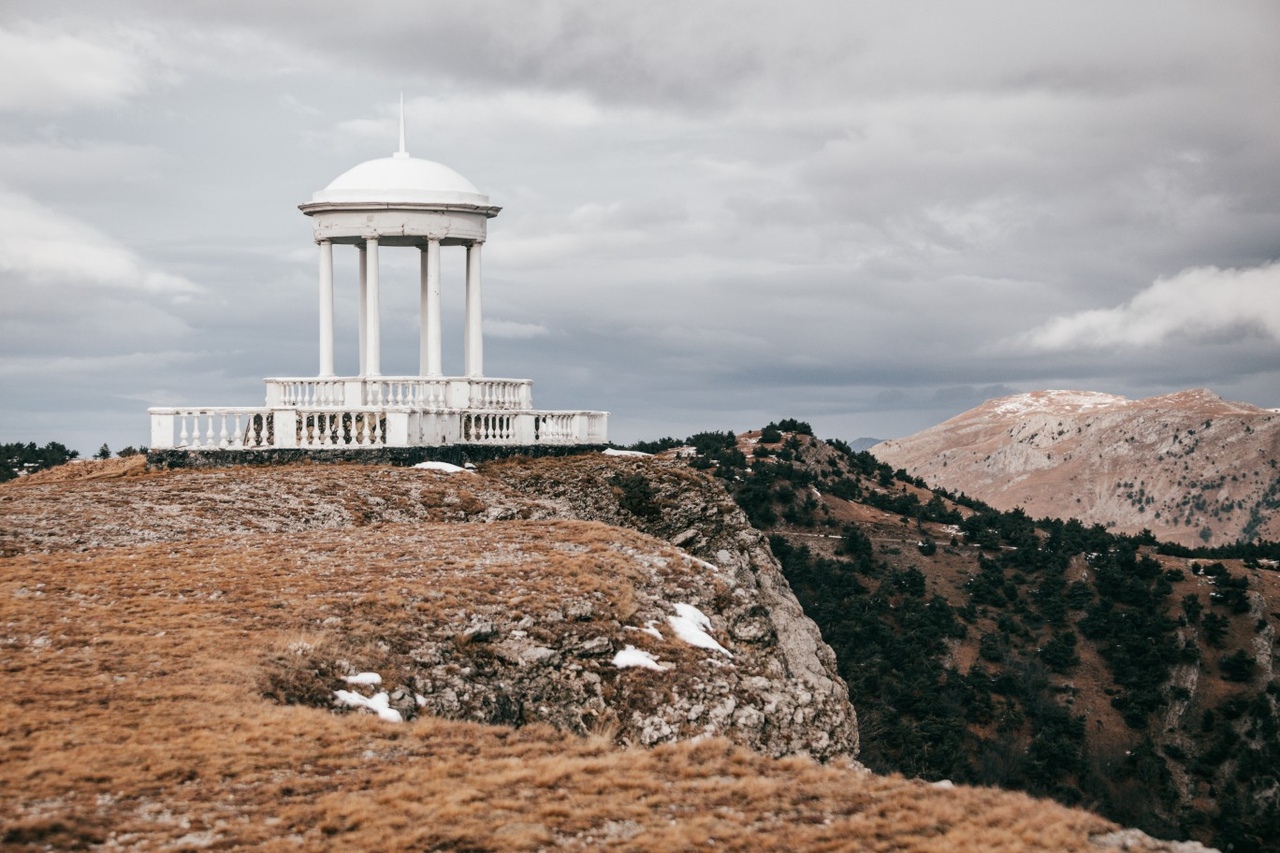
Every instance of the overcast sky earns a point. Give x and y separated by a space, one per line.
870 216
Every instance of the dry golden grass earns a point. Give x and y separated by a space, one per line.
88 469
133 714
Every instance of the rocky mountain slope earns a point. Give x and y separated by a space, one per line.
184 653
1190 467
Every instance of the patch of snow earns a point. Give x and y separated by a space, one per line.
690 626
379 704
944 784
443 467
694 615
703 563
349 699
631 656
649 628
611 451
364 679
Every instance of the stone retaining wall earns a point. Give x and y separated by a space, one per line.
456 454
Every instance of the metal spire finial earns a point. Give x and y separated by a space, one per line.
402 152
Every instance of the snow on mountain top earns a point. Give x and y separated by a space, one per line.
1077 402
1035 401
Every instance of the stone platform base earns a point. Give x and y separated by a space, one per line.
456 454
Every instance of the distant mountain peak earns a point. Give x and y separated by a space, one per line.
1189 466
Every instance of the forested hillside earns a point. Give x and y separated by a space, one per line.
1043 655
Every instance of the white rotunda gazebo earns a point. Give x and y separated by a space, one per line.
396 202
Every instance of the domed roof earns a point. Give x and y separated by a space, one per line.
401 179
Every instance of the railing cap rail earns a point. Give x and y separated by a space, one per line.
474 380
214 410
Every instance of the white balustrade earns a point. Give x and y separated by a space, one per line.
502 394
394 411
346 428
408 392
486 428
413 392
597 428
306 393
220 428
554 428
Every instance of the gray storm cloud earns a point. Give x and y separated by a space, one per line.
714 214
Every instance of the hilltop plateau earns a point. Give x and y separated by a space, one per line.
217 658
1190 467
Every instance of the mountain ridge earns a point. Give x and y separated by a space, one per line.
1190 467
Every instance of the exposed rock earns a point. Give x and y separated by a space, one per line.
1133 839
809 703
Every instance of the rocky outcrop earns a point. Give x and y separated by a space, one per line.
621 661
571 592
1190 467
668 500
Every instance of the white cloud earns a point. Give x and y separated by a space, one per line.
42 70
514 330
42 245
1199 302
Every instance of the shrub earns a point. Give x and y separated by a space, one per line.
1192 608
635 495
1059 654
656 446
1238 667
793 425
1215 629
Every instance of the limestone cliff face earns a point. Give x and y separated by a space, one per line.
1190 467
503 596
809 703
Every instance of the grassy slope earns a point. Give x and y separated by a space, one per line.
133 713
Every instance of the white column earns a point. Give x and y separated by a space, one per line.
364 304
429 316
473 343
326 308
373 335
